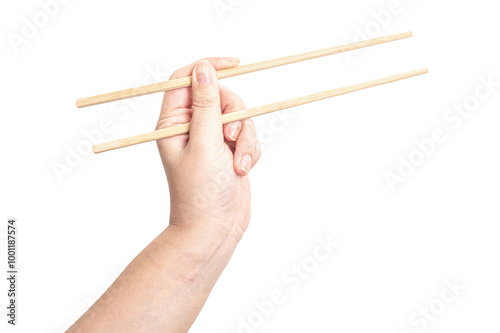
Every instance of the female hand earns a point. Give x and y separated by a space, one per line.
207 169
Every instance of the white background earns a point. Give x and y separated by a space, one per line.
321 174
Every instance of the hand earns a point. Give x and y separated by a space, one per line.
165 286
207 169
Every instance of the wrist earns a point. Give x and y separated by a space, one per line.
205 252
213 227
207 238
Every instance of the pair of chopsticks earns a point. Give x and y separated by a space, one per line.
248 113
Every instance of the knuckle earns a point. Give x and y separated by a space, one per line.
254 151
250 124
258 150
251 148
233 106
204 101
175 75
173 118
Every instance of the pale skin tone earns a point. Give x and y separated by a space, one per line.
165 287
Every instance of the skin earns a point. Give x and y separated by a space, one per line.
165 287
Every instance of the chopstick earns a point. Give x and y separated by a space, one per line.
253 112
230 72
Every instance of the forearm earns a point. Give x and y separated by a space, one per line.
165 286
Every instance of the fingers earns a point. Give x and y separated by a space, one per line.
206 100
241 134
247 151
176 107
230 102
177 98
206 123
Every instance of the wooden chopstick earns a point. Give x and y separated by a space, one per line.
253 112
230 72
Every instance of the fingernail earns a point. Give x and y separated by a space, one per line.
231 59
246 163
233 130
203 73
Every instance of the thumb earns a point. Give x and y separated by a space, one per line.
206 122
